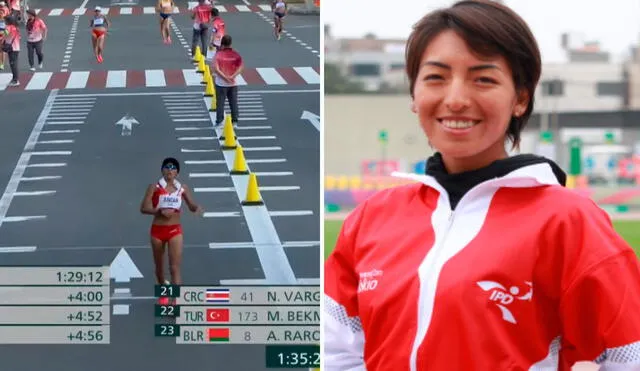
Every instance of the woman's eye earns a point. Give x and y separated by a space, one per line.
432 77
487 80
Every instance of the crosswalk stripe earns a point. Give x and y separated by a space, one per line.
77 80
155 78
116 79
308 74
270 76
147 10
39 81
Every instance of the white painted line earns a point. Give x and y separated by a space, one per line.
65 122
58 111
60 141
10 249
35 178
190 120
39 81
79 11
291 213
127 11
194 128
240 80
149 10
308 74
192 115
266 8
155 78
51 164
266 161
192 78
77 80
309 281
63 114
257 137
257 149
243 8
196 138
271 76
213 189
184 150
221 214
248 245
204 162
183 93
116 79
51 153
209 175
70 131
279 188
273 173
57 11
34 193
23 160
253 119
120 309
13 219
265 127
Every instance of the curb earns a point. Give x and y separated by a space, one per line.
298 10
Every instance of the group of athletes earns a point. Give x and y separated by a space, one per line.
164 199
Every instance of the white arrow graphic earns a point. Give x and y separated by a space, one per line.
122 268
127 121
313 119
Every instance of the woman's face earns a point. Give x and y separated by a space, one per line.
464 104
169 171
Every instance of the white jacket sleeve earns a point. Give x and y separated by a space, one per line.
343 335
343 339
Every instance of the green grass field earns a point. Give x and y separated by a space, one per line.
629 230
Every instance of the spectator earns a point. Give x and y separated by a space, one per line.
201 16
227 64
11 46
36 35
4 12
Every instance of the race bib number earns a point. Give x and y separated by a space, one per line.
98 22
169 202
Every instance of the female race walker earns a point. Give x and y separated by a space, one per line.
485 262
279 12
99 24
165 9
163 200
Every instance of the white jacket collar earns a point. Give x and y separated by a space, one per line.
525 177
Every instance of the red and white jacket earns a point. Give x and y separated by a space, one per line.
524 275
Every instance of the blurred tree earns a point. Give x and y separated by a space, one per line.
336 83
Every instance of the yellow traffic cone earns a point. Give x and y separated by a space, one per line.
201 65
206 73
229 137
228 126
197 55
253 193
214 101
239 163
209 91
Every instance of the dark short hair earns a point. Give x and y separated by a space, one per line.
215 12
171 160
489 29
226 41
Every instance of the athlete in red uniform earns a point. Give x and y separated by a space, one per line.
488 262
163 200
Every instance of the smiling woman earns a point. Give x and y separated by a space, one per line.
487 262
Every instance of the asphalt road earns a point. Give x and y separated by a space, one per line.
72 183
